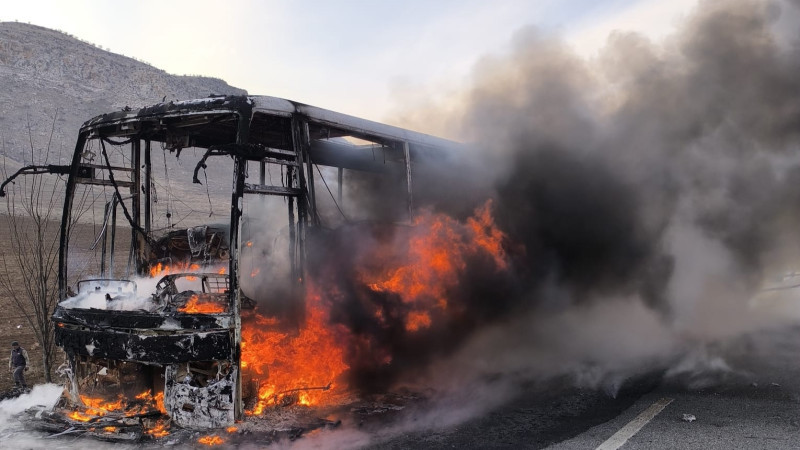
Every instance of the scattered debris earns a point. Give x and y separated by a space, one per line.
688 418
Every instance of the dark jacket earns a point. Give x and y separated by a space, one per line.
19 357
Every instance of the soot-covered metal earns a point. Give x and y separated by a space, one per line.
153 338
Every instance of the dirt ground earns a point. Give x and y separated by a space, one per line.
14 326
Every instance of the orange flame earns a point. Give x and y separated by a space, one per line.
195 306
161 269
211 440
422 271
150 399
487 236
159 399
158 431
77 415
101 404
417 320
94 407
437 255
291 363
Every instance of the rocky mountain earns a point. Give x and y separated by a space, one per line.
48 77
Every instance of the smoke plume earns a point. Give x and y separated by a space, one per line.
644 196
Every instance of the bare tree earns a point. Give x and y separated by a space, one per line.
28 274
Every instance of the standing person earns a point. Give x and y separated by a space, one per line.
18 363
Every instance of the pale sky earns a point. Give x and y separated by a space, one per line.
354 56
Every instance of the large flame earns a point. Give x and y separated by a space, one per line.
421 268
305 365
143 404
423 271
95 407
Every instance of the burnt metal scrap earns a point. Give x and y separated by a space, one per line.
112 429
200 398
201 244
144 348
142 360
92 319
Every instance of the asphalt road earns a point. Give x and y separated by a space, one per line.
753 403
543 415
744 394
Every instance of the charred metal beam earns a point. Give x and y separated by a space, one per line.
302 202
290 181
34 170
86 168
305 144
245 115
96 182
136 194
104 237
148 199
248 152
157 349
113 234
110 205
410 198
271 190
66 217
339 180
100 320
135 225
148 165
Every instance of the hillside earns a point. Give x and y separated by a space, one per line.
47 75
46 78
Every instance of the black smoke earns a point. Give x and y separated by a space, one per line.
592 164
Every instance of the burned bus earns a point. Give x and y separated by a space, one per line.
180 217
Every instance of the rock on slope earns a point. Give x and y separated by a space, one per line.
47 75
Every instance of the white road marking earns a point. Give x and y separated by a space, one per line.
621 437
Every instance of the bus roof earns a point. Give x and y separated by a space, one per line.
271 106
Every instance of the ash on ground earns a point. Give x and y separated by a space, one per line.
293 421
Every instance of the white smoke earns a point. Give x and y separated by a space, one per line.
136 294
14 434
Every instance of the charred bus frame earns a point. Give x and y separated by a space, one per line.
252 130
